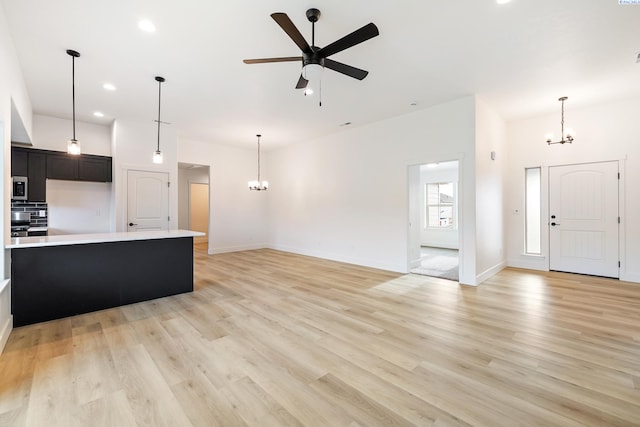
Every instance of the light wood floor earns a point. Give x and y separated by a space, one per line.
275 339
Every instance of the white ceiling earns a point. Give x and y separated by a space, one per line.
519 58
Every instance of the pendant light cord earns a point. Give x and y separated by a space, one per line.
73 92
259 183
159 97
562 122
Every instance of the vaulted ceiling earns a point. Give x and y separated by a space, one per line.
518 57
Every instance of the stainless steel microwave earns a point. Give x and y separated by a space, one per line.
20 188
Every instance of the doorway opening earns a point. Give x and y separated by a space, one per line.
194 201
434 220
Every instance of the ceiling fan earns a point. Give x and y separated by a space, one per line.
314 58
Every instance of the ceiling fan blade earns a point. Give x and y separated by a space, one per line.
285 23
302 83
266 60
358 36
348 70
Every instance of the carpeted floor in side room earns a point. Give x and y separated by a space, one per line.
438 262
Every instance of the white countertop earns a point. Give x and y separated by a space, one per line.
82 239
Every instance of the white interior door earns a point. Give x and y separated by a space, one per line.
147 200
583 219
199 210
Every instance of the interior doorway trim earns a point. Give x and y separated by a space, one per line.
465 267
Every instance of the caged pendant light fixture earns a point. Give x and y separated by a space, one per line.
257 184
73 146
157 155
567 135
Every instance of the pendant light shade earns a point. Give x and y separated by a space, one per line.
73 146
257 184
157 155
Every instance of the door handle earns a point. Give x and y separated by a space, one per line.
131 224
553 224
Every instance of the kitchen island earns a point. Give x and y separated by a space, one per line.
58 276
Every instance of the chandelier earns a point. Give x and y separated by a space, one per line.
568 135
257 184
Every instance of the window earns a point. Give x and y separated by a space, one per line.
532 210
440 199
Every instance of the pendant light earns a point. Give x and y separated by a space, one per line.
566 136
258 185
73 146
157 155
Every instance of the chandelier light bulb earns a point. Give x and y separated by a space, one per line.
549 137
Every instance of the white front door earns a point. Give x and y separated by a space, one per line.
147 200
583 219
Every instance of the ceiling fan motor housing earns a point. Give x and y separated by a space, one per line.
312 57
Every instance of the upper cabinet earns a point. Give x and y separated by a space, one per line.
85 167
19 162
40 165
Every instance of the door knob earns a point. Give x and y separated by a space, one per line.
553 224
131 224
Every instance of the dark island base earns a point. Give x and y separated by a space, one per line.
53 282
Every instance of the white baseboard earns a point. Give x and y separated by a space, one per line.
5 332
630 277
490 272
348 260
6 319
536 264
239 248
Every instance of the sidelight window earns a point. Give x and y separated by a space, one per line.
533 210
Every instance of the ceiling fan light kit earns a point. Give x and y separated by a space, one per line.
567 136
314 59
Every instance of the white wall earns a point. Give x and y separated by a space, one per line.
52 133
604 132
237 216
491 136
439 238
12 90
77 207
345 196
132 147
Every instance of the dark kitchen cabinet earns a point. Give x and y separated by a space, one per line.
94 168
37 177
19 162
40 165
32 164
78 168
62 166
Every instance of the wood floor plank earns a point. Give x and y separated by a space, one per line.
271 338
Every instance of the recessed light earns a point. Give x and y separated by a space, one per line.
502 1
147 26
98 114
414 103
108 86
